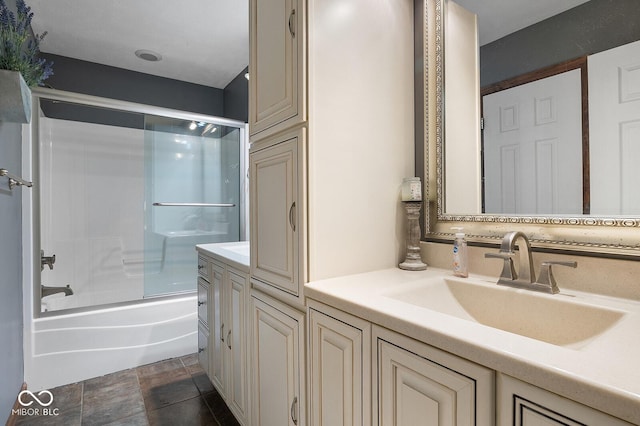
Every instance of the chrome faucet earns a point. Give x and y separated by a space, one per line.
526 277
526 273
48 291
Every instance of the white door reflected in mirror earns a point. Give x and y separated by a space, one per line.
533 147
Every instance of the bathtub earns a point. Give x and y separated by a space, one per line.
68 348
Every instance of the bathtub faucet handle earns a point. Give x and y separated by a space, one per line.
46 260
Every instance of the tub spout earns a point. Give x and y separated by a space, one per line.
48 291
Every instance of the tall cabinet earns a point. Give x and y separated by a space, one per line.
331 104
277 114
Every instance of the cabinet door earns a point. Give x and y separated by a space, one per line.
522 404
217 328
275 215
237 287
419 384
339 368
275 67
277 384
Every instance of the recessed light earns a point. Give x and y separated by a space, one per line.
148 55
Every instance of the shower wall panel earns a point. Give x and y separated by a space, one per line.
92 183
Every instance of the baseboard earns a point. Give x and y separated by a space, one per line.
13 418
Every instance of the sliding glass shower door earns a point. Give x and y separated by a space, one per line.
192 196
125 192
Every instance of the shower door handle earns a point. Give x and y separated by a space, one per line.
292 23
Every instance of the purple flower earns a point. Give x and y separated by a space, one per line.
19 50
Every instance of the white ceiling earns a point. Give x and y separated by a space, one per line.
497 18
207 41
201 41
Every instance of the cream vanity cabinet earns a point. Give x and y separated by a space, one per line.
228 308
522 404
276 175
278 364
276 66
363 374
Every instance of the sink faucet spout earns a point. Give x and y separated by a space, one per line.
526 272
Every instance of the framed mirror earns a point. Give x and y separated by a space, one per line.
575 189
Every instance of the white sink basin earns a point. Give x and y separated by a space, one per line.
559 319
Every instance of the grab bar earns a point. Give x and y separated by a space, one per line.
15 180
192 205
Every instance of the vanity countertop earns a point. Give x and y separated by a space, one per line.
603 373
235 254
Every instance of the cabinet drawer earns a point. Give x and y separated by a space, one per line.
203 348
203 299
522 404
203 270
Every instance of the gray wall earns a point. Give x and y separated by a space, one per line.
236 98
11 349
11 352
110 82
592 27
78 76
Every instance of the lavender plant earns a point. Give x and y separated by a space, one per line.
19 50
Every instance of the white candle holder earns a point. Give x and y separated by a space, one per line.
413 261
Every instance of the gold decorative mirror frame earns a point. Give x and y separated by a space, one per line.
593 235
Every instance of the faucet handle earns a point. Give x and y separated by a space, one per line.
546 273
508 270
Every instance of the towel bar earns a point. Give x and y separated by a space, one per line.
15 180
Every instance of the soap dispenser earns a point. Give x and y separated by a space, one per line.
460 261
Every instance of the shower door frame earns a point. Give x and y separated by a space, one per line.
31 199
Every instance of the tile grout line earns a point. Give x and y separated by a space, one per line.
201 396
146 413
81 400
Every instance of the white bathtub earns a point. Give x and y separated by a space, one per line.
69 348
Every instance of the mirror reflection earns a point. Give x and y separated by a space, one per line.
542 107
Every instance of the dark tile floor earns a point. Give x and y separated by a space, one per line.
174 392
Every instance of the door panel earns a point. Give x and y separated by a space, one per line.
533 147
614 130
